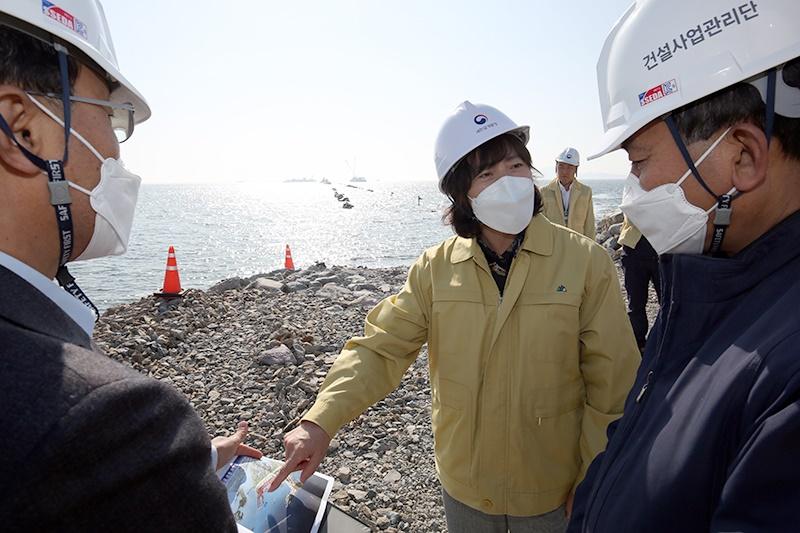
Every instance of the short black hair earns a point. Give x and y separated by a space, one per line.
31 64
742 102
457 182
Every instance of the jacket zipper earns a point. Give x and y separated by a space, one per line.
638 407
644 387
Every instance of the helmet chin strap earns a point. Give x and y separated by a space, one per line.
58 186
724 209
722 213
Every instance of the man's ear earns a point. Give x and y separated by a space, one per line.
19 113
750 156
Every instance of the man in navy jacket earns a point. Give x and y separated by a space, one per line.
711 429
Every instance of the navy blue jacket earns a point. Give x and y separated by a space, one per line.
710 436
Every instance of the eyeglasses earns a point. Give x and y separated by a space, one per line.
121 114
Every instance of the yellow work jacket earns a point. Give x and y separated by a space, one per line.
629 235
581 208
523 386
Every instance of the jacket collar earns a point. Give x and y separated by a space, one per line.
556 186
711 279
24 305
539 239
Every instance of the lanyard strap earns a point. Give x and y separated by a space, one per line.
722 219
59 192
58 186
66 281
60 200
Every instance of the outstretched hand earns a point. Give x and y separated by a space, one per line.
306 446
230 447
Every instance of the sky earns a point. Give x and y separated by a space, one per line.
268 90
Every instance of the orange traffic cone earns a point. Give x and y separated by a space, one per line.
288 264
172 281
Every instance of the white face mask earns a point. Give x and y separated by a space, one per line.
506 205
113 200
665 217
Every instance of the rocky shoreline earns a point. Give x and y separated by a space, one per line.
257 349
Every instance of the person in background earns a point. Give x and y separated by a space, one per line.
640 265
88 444
530 350
711 429
567 201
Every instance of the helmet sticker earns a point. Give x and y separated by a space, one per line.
658 92
65 18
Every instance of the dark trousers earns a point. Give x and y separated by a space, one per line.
640 265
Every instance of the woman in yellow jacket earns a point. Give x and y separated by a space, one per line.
566 200
531 353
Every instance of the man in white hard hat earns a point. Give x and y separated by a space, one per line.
705 99
566 200
88 444
529 347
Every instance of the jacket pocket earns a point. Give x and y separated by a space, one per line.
459 324
549 326
453 429
547 441
578 218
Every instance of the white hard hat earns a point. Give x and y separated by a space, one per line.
661 56
468 127
569 156
82 25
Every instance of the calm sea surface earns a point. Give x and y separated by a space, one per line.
221 231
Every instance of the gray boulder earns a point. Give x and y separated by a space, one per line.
335 293
277 356
364 299
329 279
299 352
266 284
228 285
606 222
612 244
294 286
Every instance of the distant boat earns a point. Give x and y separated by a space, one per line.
355 179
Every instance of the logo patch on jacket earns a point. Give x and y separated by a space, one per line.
561 288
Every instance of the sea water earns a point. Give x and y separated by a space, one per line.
241 229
